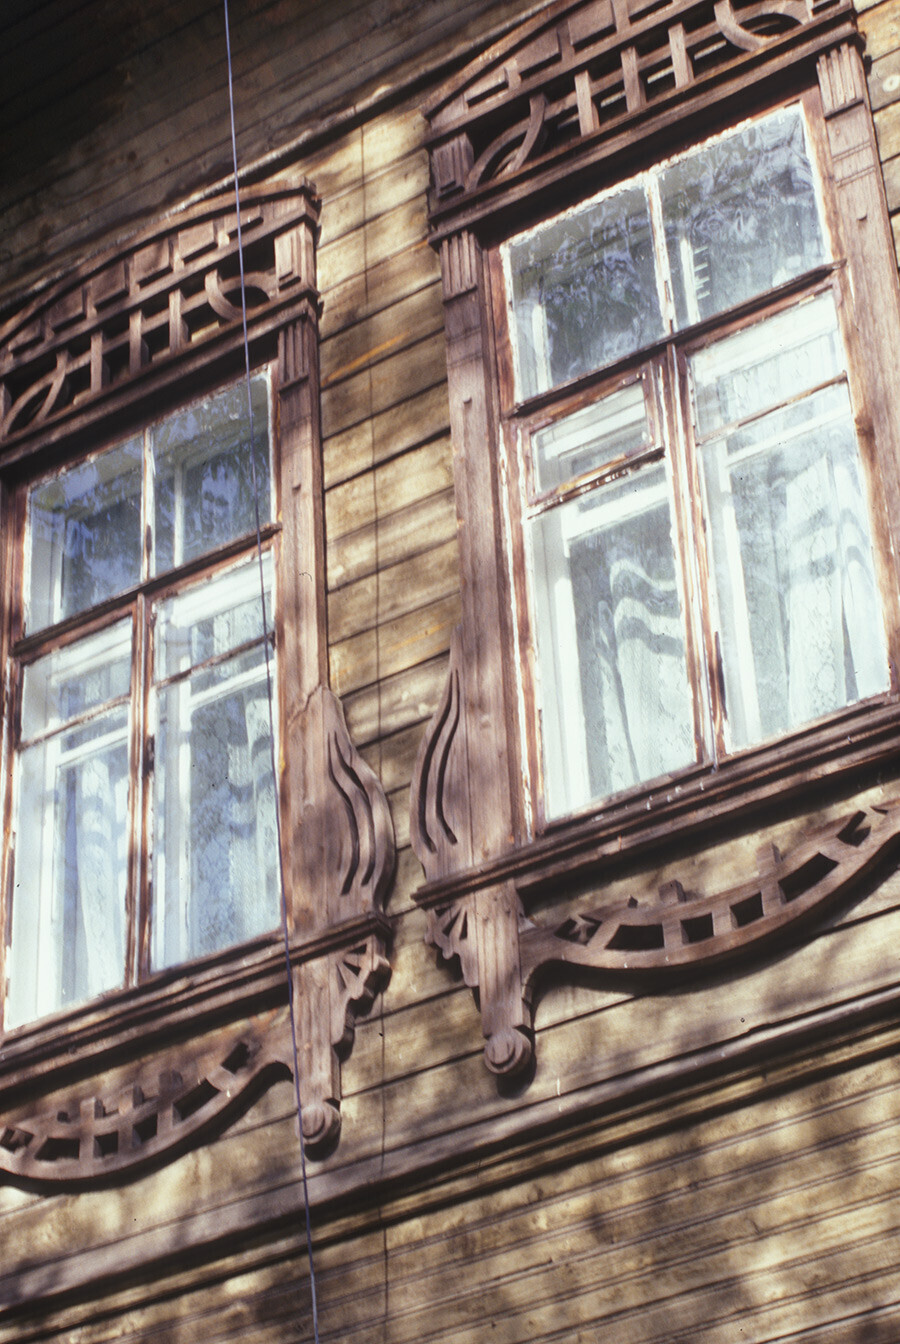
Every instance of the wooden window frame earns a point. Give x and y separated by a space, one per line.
137 604
557 112
669 357
118 342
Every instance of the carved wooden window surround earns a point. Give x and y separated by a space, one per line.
579 100
117 344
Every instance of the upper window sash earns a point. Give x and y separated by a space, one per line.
696 235
182 489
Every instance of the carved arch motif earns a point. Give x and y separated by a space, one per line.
570 85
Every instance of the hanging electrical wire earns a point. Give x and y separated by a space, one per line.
262 594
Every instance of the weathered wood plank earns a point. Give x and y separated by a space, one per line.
370 291
377 240
390 539
394 646
881 28
394 757
884 80
390 488
386 332
408 586
407 879
396 703
387 384
420 416
887 130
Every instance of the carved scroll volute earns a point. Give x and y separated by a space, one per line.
508 1048
344 839
331 994
481 933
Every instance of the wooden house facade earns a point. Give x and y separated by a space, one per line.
584 982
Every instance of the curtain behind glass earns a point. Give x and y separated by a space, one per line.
792 568
71 836
215 860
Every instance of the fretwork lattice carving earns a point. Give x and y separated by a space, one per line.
124 321
651 935
79 1136
570 84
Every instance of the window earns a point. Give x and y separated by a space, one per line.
697 516
140 854
672 312
143 804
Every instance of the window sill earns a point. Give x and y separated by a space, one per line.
692 804
181 1002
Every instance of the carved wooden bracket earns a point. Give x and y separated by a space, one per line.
79 1136
584 79
345 835
650 934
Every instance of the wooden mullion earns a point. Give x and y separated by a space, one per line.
10 535
140 797
705 674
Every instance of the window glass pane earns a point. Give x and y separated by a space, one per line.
75 679
212 618
583 290
215 866
614 697
203 477
740 216
84 533
70 881
593 437
793 579
767 364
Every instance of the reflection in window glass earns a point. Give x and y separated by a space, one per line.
740 216
84 529
614 696
216 853
584 290
792 567
590 438
181 490
70 878
203 474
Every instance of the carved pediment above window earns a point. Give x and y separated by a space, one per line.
579 174
584 81
130 320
